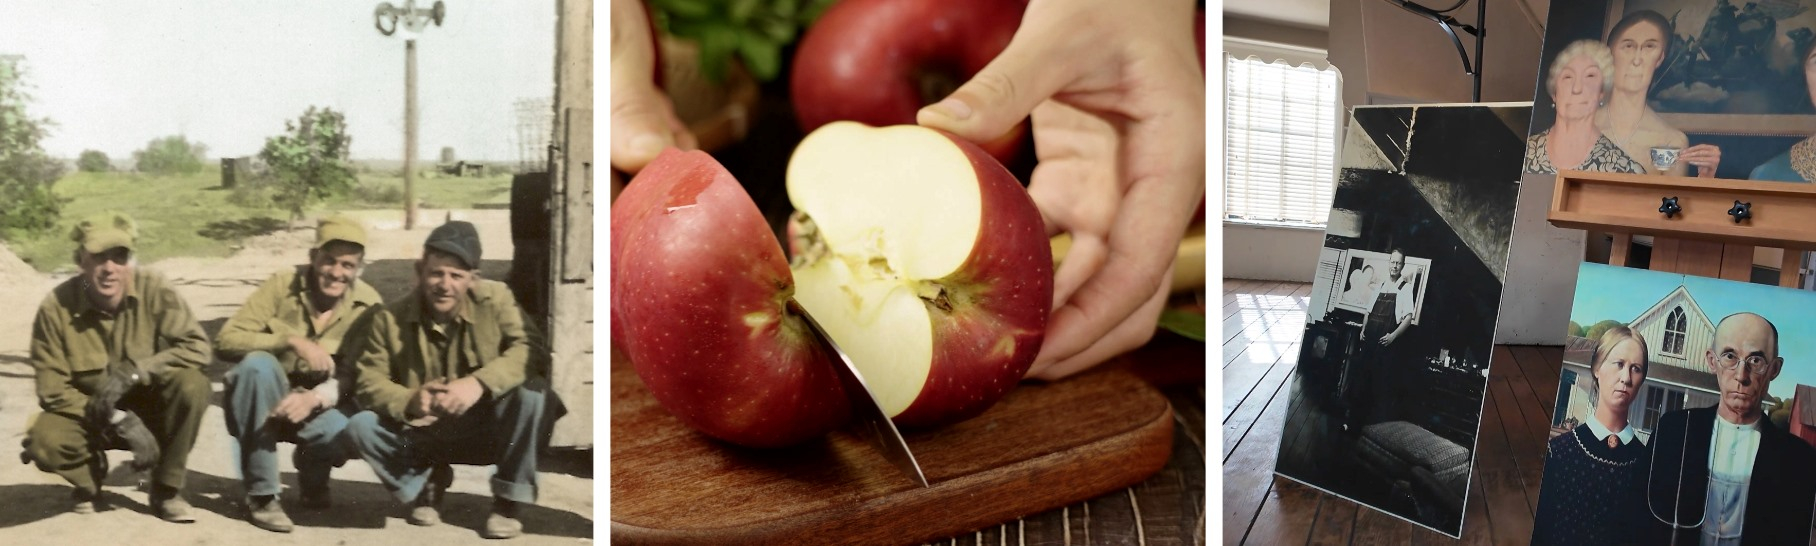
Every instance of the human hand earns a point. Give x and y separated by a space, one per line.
318 359
1117 99
1704 156
121 377
1388 339
297 407
643 119
455 397
419 411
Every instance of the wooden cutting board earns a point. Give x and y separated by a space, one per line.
1042 447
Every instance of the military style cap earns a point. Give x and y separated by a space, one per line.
458 238
339 228
104 231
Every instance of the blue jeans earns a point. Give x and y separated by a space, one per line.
503 430
254 387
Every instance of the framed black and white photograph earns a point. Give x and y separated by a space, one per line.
1367 273
1387 393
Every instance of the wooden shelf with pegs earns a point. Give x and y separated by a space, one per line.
1703 237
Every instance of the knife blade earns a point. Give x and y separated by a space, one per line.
864 407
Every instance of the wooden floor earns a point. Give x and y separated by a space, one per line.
1262 325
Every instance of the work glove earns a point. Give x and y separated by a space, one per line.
120 379
131 432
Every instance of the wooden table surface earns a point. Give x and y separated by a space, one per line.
1165 509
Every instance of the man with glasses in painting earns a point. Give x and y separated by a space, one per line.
118 358
1725 475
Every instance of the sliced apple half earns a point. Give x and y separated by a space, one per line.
699 290
925 260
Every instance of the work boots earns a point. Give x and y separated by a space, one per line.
426 511
167 503
503 522
265 512
88 502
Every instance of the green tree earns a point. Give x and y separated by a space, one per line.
1576 330
94 161
310 160
1781 411
170 155
1596 330
26 172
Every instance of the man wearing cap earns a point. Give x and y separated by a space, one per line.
452 373
118 356
288 341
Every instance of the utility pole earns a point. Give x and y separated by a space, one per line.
414 20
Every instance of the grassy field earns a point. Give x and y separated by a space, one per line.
193 215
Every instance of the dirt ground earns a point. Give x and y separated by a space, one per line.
36 504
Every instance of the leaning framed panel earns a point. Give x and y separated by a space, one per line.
1387 393
1680 413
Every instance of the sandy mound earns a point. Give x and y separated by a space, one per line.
15 273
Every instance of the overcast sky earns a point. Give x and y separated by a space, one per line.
1606 292
115 75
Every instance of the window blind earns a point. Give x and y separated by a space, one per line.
1280 126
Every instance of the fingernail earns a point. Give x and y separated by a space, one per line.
953 108
648 144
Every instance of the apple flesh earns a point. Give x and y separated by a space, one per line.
699 289
925 260
878 62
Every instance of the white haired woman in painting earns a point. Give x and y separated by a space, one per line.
1594 486
1797 164
1640 43
1576 83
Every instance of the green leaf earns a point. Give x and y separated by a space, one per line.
1185 323
718 42
762 56
811 12
779 30
684 9
741 10
784 9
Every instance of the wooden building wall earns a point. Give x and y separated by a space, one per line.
1700 333
571 225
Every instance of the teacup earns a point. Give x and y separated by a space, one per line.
1664 157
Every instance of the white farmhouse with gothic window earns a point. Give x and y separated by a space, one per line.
1677 334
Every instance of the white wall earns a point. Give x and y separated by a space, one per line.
1271 253
1541 271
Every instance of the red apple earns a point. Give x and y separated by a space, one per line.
925 260
699 287
878 62
919 253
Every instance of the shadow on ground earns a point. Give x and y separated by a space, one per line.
569 461
357 505
234 230
29 503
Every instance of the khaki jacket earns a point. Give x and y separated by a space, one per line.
495 343
73 341
281 309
